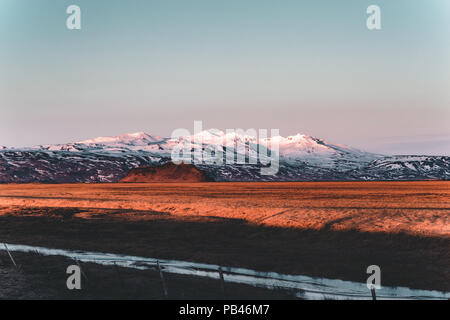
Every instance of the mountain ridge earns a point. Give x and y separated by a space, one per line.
302 158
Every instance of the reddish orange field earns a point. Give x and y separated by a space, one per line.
420 208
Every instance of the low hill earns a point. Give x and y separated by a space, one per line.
168 172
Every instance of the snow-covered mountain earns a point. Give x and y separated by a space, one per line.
138 141
407 168
132 139
302 157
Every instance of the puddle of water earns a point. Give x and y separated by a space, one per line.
306 287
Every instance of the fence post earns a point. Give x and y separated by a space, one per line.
163 282
81 270
222 281
374 296
10 256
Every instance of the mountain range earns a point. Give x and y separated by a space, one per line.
301 158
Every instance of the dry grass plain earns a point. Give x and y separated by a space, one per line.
419 208
329 229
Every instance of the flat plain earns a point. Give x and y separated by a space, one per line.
323 229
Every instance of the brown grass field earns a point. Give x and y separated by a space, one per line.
326 229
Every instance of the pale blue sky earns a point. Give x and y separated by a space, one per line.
301 66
